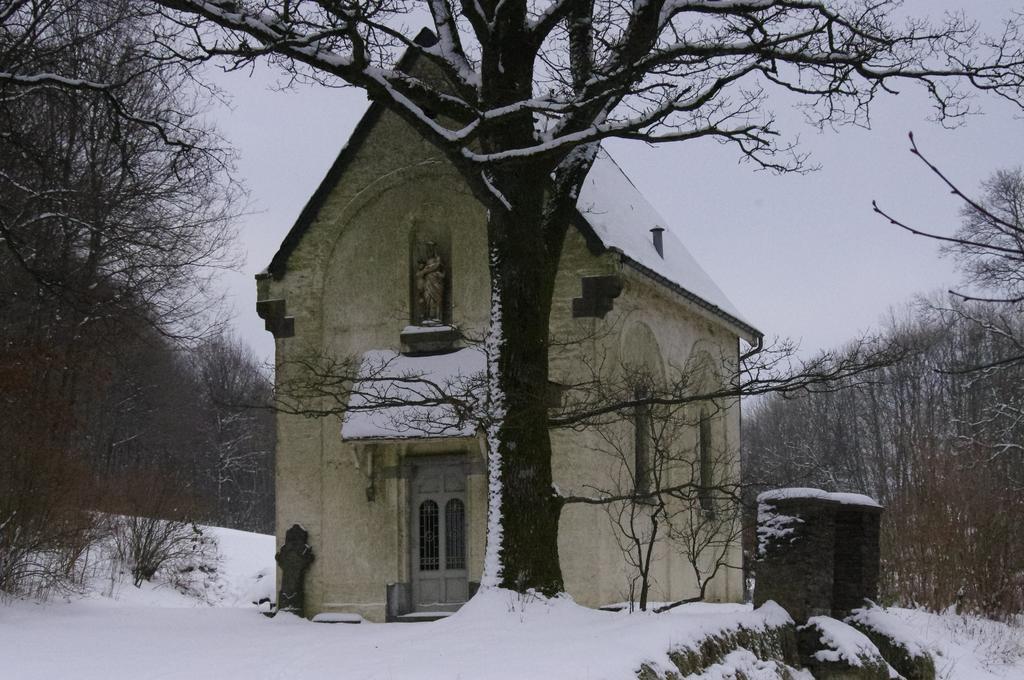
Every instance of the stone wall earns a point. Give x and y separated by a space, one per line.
818 553
856 560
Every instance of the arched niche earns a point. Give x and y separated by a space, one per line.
367 287
430 272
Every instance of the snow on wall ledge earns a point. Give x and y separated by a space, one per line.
805 493
846 646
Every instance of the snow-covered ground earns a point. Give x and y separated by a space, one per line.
964 647
157 632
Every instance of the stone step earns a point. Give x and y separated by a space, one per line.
422 617
337 617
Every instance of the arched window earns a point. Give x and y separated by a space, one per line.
642 443
430 558
704 451
455 534
642 367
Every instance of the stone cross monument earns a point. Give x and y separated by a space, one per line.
294 559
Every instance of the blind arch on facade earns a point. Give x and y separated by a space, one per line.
643 368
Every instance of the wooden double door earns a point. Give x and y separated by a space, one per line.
438 547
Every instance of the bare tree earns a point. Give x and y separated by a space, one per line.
39 40
96 207
517 97
991 238
682 496
989 249
237 426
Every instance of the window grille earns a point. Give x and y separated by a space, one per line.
430 559
455 534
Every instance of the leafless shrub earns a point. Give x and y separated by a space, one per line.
154 525
953 538
146 544
673 484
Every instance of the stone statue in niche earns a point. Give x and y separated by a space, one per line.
294 558
430 284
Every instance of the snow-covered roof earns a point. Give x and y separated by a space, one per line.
622 219
399 396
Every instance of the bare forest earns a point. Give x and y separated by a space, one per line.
122 394
937 436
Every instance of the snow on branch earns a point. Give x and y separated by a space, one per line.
655 70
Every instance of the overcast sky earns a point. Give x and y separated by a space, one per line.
801 256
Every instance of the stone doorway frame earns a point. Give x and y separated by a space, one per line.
467 451
453 459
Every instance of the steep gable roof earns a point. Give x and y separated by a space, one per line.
622 220
611 212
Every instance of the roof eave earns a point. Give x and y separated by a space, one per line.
744 330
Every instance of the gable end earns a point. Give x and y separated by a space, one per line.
279 263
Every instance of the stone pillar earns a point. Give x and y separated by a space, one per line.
817 552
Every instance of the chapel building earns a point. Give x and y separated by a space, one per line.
388 264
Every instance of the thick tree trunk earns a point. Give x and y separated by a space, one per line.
529 508
526 227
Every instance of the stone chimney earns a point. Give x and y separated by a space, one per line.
659 244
